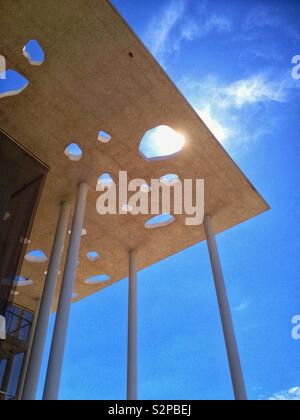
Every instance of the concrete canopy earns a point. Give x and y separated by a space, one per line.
97 76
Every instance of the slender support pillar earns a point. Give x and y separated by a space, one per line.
38 345
28 352
228 328
132 329
55 364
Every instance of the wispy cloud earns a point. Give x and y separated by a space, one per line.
158 32
242 307
229 109
177 24
221 132
292 394
252 90
272 24
192 29
263 16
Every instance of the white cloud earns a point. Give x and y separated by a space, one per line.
217 24
191 29
292 394
230 109
253 90
165 35
159 30
219 131
242 307
263 16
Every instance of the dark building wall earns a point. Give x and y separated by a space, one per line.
21 181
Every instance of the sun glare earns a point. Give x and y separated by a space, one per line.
161 143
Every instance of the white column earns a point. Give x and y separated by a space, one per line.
228 328
28 351
38 345
132 329
55 364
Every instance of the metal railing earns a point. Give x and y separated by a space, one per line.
12 350
6 397
17 324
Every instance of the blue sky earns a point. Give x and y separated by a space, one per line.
232 60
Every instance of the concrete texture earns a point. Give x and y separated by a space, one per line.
98 76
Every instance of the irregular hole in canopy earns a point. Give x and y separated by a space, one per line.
145 188
93 256
127 208
23 281
12 83
97 279
73 152
161 143
36 256
169 179
104 137
104 181
160 221
34 53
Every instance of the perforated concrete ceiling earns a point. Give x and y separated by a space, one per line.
97 76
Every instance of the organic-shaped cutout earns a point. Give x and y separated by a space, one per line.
159 221
169 180
145 188
36 256
34 53
74 152
104 181
92 256
161 143
23 281
127 208
97 279
12 83
104 137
